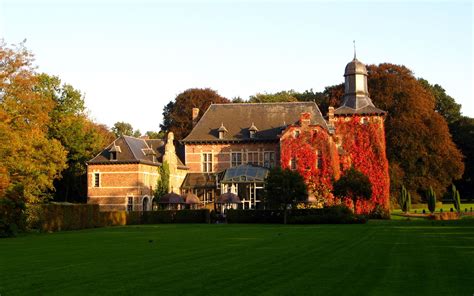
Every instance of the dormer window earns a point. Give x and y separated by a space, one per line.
252 131
113 152
222 130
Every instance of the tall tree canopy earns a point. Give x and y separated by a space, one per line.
80 137
28 158
177 114
419 146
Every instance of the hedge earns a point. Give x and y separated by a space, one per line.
57 217
327 215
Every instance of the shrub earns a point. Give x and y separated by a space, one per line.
431 199
339 214
380 212
12 216
255 216
456 199
329 215
404 200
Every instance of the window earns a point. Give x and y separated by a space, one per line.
293 163
252 134
269 159
207 162
297 133
236 158
252 158
113 155
129 203
319 160
96 180
221 135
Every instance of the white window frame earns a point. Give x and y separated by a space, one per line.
269 162
236 163
129 205
207 162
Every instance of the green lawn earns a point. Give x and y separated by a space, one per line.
380 258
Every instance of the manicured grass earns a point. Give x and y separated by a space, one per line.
380 258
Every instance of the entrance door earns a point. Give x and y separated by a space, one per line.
145 204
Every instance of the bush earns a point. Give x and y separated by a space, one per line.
254 216
330 215
12 216
338 214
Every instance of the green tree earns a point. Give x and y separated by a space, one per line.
354 185
155 135
462 132
284 188
444 104
121 128
162 185
282 96
177 114
81 138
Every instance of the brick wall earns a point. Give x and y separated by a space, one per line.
221 154
117 182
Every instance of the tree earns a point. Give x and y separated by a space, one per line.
30 159
354 185
284 188
155 135
121 128
420 150
81 138
462 131
445 105
177 114
162 185
283 96
431 200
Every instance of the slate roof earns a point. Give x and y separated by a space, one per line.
133 150
367 109
269 118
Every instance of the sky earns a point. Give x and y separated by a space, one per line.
130 58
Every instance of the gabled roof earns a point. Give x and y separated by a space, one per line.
132 150
270 118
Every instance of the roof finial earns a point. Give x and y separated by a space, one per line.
354 48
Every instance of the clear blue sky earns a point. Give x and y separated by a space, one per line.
132 57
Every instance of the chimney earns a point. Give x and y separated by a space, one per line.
305 118
331 115
195 116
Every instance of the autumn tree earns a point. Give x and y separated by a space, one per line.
177 114
31 160
420 150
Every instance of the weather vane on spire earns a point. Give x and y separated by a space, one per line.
354 48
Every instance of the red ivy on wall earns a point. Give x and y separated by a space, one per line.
361 145
364 145
312 143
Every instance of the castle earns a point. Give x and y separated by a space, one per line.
232 147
